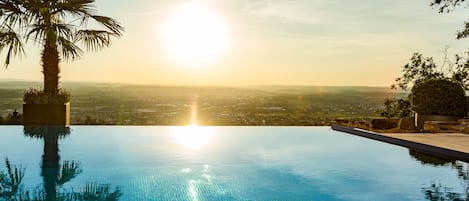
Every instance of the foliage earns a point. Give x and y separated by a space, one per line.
396 108
10 182
39 132
447 6
36 96
437 192
97 192
418 69
11 187
69 170
14 118
439 97
422 68
460 70
58 26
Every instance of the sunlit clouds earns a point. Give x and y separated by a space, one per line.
261 42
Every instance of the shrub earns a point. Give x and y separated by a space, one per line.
396 108
36 96
439 97
14 118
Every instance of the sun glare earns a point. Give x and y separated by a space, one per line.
193 34
193 136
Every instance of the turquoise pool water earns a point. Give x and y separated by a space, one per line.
221 163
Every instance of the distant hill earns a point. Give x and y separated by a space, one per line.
127 104
22 84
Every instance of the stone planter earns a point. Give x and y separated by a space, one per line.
420 119
46 114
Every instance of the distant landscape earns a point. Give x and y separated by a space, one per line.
121 104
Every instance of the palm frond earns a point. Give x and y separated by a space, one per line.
11 181
97 192
13 13
70 51
74 7
37 32
69 170
12 41
94 40
109 23
35 195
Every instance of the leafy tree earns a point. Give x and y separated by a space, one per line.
396 108
460 72
422 68
57 26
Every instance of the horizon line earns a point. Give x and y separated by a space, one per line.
194 85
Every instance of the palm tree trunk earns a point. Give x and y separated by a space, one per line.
50 165
50 67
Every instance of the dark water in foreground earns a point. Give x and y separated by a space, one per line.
219 163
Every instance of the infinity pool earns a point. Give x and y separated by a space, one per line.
220 164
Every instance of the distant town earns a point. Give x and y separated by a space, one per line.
115 104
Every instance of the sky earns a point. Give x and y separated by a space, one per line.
265 42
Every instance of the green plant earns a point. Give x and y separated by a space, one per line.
396 108
421 68
14 118
36 96
10 182
57 26
439 97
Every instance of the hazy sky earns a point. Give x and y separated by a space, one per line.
271 42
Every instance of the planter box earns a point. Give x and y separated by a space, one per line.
46 114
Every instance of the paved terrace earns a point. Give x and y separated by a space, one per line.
448 145
453 141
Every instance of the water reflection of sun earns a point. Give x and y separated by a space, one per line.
193 136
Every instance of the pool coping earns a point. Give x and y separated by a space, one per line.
429 149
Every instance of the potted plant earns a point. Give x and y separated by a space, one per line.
40 108
46 24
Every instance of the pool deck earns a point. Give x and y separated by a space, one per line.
453 141
448 145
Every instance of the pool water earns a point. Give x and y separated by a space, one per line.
220 164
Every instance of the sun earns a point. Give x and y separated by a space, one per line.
194 34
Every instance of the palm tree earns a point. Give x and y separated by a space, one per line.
59 27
